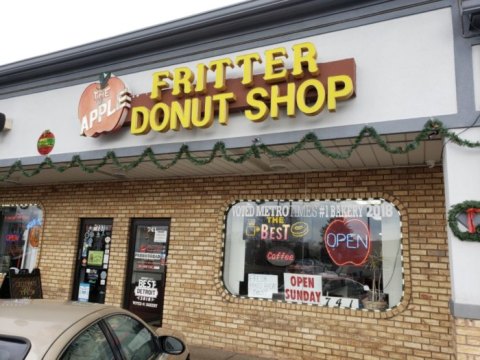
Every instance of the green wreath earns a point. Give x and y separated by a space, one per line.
453 221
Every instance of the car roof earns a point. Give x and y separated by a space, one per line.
43 321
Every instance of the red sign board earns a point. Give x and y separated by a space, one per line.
280 256
103 106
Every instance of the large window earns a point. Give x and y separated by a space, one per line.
20 229
342 253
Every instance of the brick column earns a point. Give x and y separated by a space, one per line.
467 339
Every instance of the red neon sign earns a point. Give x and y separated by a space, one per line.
348 242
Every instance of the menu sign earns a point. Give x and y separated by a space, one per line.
23 285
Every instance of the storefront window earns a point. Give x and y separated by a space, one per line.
20 229
331 253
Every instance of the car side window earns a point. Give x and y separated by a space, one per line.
13 348
90 344
136 341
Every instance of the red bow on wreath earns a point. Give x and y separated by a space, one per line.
470 217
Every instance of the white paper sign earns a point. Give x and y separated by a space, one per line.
262 286
303 288
160 235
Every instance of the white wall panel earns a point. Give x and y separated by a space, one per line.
405 69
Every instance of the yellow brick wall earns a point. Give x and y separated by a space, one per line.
467 339
195 300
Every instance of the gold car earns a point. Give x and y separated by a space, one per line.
65 330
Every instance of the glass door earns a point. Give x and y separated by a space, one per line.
92 260
147 267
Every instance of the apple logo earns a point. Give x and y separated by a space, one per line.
103 106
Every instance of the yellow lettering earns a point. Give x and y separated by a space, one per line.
302 92
274 67
278 100
159 84
160 117
201 85
256 99
140 122
182 84
304 56
181 113
246 61
219 67
208 111
223 100
339 88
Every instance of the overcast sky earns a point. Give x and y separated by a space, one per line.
31 28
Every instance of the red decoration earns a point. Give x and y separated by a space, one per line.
348 241
46 142
470 219
280 256
103 106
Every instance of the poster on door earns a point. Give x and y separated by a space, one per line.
146 293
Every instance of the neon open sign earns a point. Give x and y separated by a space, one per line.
347 241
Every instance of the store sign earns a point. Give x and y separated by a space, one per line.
348 241
280 256
103 106
302 288
276 228
183 98
146 293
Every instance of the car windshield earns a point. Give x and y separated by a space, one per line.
12 348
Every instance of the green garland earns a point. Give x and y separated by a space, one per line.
453 221
255 150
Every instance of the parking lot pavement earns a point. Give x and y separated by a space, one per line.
202 353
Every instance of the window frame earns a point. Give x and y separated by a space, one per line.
111 345
109 333
17 340
398 261
115 339
12 239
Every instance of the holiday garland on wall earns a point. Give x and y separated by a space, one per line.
433 126
254 151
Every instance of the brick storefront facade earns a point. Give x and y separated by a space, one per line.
196 302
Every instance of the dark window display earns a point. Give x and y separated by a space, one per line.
93 260
20 230
146 273
344 253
